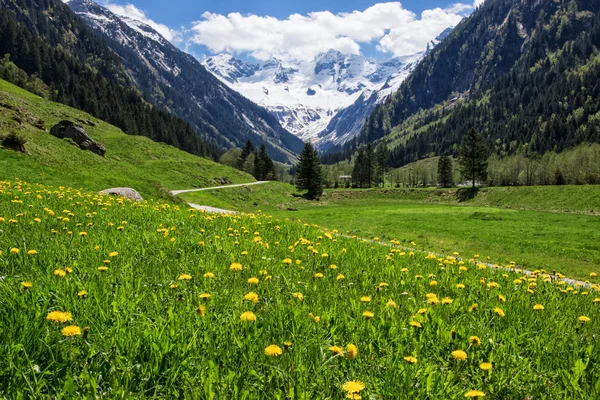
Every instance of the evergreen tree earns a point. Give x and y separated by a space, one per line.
359 168
472 157
369 165
381 158
310 176
246 151
264 168
445 172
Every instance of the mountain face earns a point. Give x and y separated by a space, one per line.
177 82
325 100
524 73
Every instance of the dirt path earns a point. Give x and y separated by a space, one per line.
176 192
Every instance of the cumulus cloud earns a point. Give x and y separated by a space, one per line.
301 37
131 11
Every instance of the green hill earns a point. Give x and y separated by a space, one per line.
133 161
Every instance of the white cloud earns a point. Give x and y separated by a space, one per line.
131 11
302 37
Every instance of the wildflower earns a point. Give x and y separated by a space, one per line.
474 393
248 316
474 340
113 254
71 330
485 366
410 359
235 266
14 250
26 285
59 316
538 307
82 293
317 319
502 298
433 283
69 270
593 274
583 319
184 277
459 355
368 314
252 297
365 299
460 286
336 349
353 387
273 351
287 260
391 304
32 252
204 296
446 300
60 273
298 295
82 234
421 311
253 281
415 324
351 351
173 286
318 275
499 312
333 266
287 344
201 310
340 277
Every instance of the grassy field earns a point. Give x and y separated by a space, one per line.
501 223
104 297
133 161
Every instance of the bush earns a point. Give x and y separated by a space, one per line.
14 141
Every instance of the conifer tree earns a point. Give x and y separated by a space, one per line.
246 151
445 172
309 176
472 157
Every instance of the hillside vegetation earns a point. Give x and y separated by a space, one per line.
133 161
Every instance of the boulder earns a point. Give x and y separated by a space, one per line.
128 193
67 129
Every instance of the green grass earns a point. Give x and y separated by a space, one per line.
501 223
144 334
132 161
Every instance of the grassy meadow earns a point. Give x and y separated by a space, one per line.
104 297
131 161
555 228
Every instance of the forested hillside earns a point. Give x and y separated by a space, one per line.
524 73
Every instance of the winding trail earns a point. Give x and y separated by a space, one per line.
177 192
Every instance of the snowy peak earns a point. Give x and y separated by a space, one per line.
229 68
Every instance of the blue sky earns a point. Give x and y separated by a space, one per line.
296 30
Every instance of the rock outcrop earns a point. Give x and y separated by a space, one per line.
67 129
128 193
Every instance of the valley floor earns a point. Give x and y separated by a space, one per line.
554 228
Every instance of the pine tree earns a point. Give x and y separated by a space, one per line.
381 158
310 176
246 151
359 167
472 157
445 172
370 165
264 168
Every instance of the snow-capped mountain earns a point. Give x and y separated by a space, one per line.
177 82
325 100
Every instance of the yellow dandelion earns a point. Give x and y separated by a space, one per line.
318 275
253 281
32 252
353 386
351 351
368 314
201 310
26 285
502 298
459 355
473 307
415 324
71 330
474 394
82 234
391 304
593 274
433 283
421 311
113 254
538 307
333 266
251 297
499 312
209 275
287 260
103 269
273 351
184 277
60 273
410 359
336 349
584 319
460 286
485 366
235 266
82 293
447 300
204 296
474 340
365 299
298 295
248 316
59 316
340 277
14 250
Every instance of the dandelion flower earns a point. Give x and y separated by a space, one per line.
499 312
59 316
391 304
502 298
235 266
410 359
251 297
421 311
474 394
365 299
340 277
351 351
287 260
204 296
26 285
71 330
368 314
593 274
459 355
473 307
209 275
474 340
486 366
253 281
201 310
113 254
433 283
447 300
538 307
273 351
32 252
415 324
336 349
584 319
298 295
103 269
14 250
60 273
353 386
184 277
248 316
318 275
82 293
460 286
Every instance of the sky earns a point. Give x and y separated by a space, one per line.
297 30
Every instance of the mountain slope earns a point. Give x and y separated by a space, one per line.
132 161
325 100
176 81
524 73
